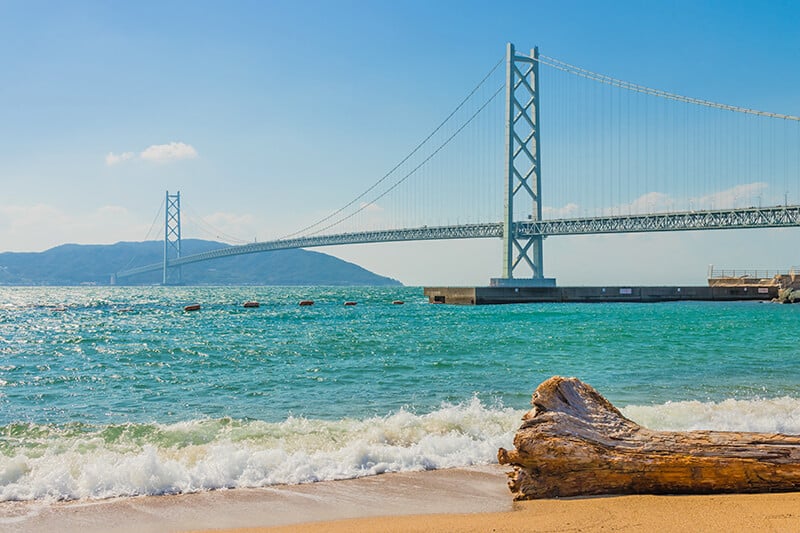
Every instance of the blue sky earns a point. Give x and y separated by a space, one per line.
267 114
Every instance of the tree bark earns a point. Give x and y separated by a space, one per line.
574 442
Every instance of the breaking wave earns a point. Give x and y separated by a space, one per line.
776 415
79 461
49 462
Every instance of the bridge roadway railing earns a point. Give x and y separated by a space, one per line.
752 217
424 233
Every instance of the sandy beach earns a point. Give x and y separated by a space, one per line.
773 512
472 499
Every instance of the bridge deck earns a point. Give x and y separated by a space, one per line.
753 217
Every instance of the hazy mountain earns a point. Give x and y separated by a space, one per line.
77 264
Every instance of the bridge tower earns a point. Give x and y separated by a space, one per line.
172 238
522 170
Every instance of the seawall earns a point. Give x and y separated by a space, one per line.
509 295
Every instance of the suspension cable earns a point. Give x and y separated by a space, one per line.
135 256
412 171
153 224
398 165
572 69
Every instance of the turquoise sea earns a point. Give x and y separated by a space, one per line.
118 391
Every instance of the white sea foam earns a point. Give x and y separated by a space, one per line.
776 415
210 454
42 462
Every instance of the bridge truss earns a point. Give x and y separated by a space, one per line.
753 217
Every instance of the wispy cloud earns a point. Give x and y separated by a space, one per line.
652 202
567 211
40 226
114 159
744 195
158 153
738 196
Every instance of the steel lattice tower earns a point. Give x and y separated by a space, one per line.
523 169
172 235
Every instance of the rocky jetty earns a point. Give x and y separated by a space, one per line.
574 442
789 295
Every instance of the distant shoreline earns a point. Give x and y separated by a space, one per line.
95 264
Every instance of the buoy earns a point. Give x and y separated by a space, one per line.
350 303
398 302
192 307
251 304
306 302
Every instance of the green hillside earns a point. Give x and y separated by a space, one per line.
80 264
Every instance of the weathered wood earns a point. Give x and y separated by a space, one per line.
574 442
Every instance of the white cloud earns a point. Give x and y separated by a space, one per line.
169 152
570 210
652 202
113 159
159 153
746 195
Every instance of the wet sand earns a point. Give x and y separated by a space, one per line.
462 500
478 489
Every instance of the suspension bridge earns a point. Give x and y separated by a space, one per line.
618 157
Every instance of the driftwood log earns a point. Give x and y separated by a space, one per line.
574 442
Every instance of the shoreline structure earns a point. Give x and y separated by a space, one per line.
723 286
607 294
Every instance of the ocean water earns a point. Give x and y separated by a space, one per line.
119 392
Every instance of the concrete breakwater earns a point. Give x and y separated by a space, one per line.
509 295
